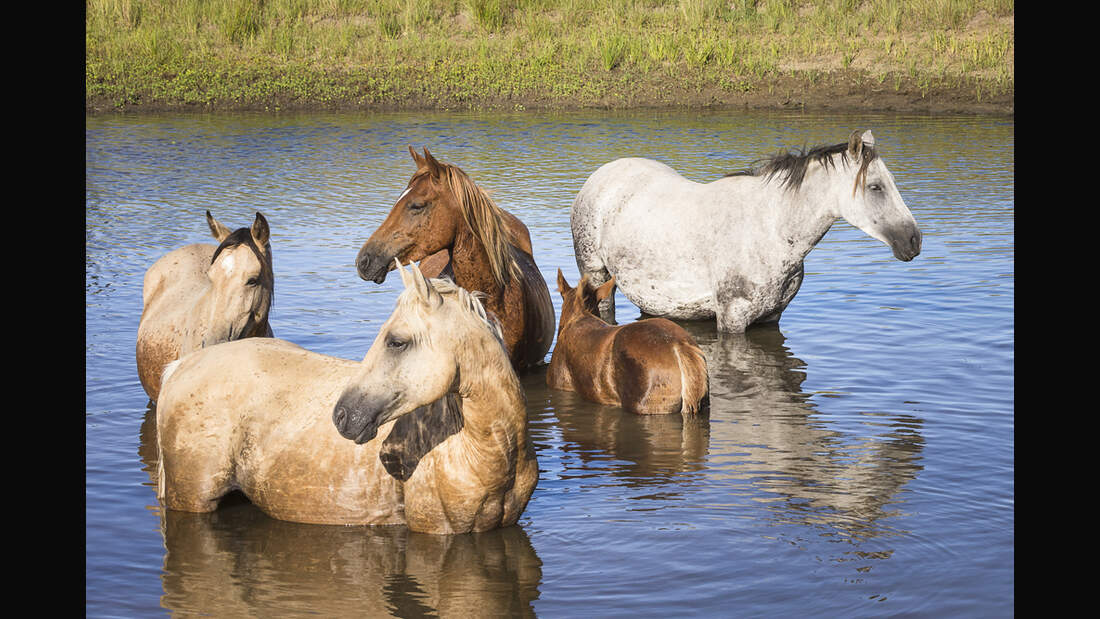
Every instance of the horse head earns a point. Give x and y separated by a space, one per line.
424 221
414 361
583 300
242 282
874 204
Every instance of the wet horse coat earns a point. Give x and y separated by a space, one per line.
429 430
651 366
731 249
202 294
443 214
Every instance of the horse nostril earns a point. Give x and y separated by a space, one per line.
914 241
340 417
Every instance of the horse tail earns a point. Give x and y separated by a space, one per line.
694 380
168 369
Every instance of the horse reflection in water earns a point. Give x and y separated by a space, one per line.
762 430
783 446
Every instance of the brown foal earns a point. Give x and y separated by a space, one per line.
648 367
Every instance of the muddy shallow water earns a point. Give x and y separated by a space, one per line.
857 459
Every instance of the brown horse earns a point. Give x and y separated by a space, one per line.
445 220
203 294
429 430
647 367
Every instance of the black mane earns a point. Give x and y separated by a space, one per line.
792 165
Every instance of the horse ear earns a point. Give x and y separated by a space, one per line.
261 233
424 288
606 290
867 138
406 279
855 145
216 228
563 286
416 158
433 166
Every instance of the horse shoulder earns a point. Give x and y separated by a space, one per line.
460 486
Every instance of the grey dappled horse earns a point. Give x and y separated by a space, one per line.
732 248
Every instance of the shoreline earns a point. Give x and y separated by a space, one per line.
845 94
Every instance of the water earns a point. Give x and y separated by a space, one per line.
857 460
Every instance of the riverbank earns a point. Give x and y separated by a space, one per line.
925 56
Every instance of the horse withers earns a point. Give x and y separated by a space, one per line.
429 430
639 221
202 294
451 225
651 366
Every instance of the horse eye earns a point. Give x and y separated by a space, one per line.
395 343
253 281
875 187
417 206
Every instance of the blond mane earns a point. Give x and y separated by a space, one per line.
486 220
469 303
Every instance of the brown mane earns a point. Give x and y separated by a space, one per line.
486 221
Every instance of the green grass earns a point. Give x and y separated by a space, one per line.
499 53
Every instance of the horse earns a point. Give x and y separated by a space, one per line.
450 224
732 249
647 367
203 294
429 430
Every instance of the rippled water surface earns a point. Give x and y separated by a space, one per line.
857 460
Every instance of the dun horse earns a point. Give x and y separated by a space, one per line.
651 366
202 294
443 213
731 249
429 430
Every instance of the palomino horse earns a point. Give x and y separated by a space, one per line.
651 366
732 248
429 430
202 294
443 210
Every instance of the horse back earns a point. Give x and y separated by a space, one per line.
659 368
179 273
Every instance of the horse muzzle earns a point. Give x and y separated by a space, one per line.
372 266
906 244
358 418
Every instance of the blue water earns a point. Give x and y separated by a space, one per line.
857 460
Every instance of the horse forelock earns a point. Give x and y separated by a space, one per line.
243 236
792 166
486 220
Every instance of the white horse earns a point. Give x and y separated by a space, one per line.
733 248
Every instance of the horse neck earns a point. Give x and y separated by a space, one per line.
492 399
806 213
470 264
579 321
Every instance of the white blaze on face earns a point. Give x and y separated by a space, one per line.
404 193
227 263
